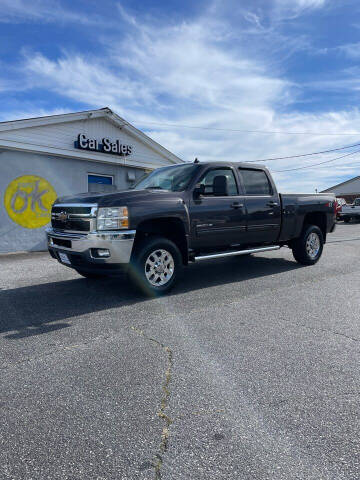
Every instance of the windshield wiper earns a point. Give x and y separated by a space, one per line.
154 188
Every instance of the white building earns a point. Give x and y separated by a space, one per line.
46 157
348 190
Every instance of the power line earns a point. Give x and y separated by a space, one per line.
345 166
270 132
316 164
304 154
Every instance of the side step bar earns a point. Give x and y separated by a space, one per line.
236 252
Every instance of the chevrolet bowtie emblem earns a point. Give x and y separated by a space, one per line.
63 217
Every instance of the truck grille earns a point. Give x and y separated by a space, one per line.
76 218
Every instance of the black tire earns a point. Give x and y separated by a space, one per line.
151 265
89 274
347 219
302 248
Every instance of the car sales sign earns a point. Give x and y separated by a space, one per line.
105 146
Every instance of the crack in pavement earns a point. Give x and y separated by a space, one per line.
343 240
158 457
59 348
320 329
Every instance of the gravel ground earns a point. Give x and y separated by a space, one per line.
248 370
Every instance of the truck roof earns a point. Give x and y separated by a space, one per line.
234 164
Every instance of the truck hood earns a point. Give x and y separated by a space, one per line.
121 198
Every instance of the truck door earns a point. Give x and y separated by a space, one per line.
217 218
262 205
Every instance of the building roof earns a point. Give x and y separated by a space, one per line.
341 184
25 135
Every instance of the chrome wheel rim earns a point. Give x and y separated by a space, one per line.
159 267
313 245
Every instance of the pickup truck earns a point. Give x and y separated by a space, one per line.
186 213
349 212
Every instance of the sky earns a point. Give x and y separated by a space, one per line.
239 80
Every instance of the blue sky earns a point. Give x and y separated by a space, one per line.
269 65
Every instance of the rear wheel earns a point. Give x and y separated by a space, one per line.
156 266
307 249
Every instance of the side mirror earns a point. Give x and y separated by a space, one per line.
221 186
199 190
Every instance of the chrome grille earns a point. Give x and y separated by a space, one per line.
74 217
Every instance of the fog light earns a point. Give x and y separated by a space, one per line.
101 253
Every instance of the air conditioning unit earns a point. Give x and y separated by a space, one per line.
131 176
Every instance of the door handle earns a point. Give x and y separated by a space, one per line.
237 205
272 204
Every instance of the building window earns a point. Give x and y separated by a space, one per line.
104 179
100 183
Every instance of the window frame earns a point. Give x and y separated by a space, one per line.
204 173
271 188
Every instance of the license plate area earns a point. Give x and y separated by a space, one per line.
64 258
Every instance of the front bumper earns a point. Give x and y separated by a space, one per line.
81 248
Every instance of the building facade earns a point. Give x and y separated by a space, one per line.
47 157
348 190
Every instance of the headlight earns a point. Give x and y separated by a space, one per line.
112 218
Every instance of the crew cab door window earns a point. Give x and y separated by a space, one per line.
208 181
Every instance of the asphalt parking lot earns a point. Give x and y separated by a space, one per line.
248 370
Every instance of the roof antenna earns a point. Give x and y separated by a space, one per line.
196 160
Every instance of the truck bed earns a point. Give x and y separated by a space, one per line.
294 208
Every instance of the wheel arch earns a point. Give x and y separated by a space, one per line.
171 228
318 219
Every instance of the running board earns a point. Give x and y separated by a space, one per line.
236 252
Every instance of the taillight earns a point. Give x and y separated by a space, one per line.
334 205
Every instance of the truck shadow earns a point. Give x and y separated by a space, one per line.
44 308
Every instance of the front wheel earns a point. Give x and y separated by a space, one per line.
156 266
347 219
307 249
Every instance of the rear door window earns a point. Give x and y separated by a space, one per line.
255 182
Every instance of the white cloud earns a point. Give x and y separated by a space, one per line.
288 9
85 79
351 50
189 73
20 114
44 11
301 3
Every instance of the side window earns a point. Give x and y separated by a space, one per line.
255 182
208 181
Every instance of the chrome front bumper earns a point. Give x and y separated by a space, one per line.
119 243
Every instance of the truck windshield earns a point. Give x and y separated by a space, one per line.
175 178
